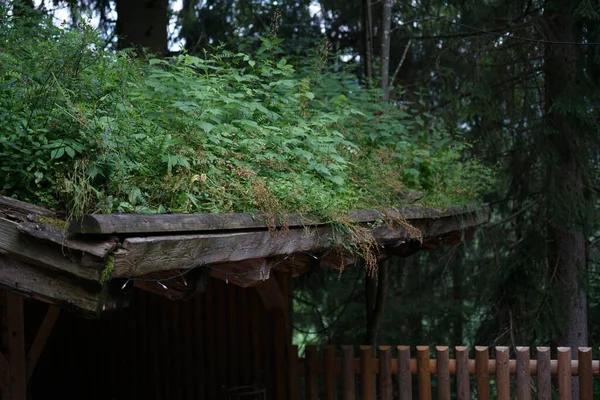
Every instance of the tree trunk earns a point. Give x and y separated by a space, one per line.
367 32
375 293
565 184
386 23
143 24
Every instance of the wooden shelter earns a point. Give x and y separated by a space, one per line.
171 306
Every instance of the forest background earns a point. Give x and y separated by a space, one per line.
517 81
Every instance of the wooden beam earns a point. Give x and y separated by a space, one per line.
42 337
16 346
51 234
10 206
46 255
172 223
145 255
86 298
272 297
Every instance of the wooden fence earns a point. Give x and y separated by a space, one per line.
378 375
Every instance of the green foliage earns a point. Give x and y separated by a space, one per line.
90 130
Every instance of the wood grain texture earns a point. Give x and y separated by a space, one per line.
8 205
163 223
482 372
46 255
85 298
404 373
523 374
544 382
586 375
424 375
443 373
144 255
502 373
463 391
564 373
385 373
49 233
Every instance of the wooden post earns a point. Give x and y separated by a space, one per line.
462 373
330 373
312 383
443 373
502 373
523 374
482 372
293 377
544 383
564 373
348 372
15 340
366 372
404 374
424 376
586 384
385 373
42 337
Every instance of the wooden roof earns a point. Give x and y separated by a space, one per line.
173 254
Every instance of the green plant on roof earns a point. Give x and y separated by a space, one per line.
87 130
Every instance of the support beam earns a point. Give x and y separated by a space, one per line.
42 337
16 346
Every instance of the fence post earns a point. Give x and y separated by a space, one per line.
404 374
424 374
586 384
463 391
502 373
385 373
523 374
366 372
564 373
348 372
544 375
483 375
443 373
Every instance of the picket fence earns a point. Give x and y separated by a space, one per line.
382 376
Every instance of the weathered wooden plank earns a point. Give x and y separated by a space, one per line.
86 298
564 373
9 205
143 255
35 351
45 255
16 346
404 373
162 223
97 247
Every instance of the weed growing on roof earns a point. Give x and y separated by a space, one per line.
85 130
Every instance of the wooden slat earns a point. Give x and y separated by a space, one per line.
366 373
544 383
385 373
312 383
157 223
16 346
523 374
502 373
9 205
348 373
404 373
144 255
187 318
330 372
424 376
279 346
233 360
42 254
293 374
482 372
462 373
443 373
564 373
199 347
586 383
257 363
49 233
35 351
